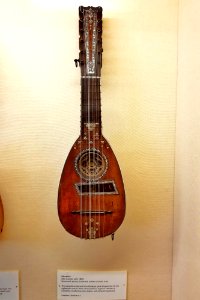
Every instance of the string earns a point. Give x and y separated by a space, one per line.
98 119
104 165
83 89
81 230
82 133
94 130
81 140
90 157
98 189
95 153
84 121
93 220
101 194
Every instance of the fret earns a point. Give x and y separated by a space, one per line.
90 77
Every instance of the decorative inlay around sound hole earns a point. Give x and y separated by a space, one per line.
91 164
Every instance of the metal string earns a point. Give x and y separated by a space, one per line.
83 89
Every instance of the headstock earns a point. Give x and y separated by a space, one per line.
90 40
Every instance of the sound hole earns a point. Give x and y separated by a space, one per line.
91 164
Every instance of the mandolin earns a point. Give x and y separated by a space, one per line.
1 215
91 196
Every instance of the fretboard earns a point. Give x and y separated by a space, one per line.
90 102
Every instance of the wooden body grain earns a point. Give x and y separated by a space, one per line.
69 200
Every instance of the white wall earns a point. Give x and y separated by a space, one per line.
40 106
186 275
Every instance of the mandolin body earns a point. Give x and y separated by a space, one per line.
90 208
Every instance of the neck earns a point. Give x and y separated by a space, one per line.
90 104
90 60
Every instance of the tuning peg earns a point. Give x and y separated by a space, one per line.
81 43
99 12
99 42
81 29
77 61
81 12
99 24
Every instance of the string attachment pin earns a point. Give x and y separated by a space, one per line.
113 236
